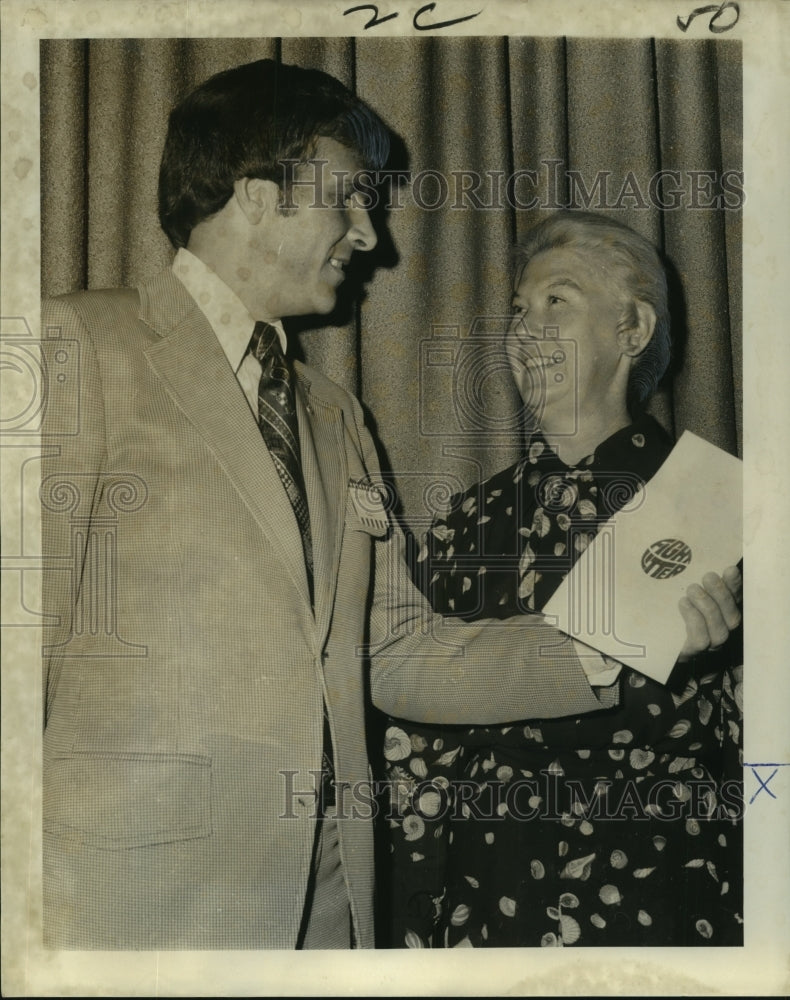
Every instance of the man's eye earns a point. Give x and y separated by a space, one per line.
554 299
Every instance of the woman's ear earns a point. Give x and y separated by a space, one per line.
255 197
636 328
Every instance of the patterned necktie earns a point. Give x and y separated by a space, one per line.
277 421
278 424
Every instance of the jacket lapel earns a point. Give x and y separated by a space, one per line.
325 469
193 369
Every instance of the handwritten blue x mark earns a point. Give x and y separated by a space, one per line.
763 785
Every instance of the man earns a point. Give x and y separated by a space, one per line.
230 562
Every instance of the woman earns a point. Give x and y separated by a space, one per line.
621 827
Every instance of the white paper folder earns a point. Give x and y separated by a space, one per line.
622 594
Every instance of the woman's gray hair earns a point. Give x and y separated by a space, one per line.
638 266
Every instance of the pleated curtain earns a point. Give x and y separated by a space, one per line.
421 342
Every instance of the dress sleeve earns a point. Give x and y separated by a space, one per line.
449 592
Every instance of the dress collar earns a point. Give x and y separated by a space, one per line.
644 435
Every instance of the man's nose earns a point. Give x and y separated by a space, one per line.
361 233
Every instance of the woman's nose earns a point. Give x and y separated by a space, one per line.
523 326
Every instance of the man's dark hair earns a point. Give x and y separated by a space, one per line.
242 123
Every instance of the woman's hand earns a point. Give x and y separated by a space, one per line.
711 611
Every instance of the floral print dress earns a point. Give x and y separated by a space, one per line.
620 827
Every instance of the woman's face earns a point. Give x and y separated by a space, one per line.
562 341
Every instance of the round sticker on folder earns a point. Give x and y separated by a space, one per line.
666 558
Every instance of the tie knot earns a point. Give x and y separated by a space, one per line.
265 341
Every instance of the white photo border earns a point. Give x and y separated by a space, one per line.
761 966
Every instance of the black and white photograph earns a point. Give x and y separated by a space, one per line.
392 448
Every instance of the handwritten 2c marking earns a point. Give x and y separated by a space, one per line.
417 21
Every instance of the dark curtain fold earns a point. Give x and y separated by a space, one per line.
575 112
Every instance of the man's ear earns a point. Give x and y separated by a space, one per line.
636 328
256 198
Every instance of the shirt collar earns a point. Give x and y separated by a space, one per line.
229 318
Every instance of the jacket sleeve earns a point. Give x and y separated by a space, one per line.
442 670
73 441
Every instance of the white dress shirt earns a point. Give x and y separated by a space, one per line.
229 318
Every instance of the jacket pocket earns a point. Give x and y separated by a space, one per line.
117 800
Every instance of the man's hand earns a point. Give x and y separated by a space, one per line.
711 611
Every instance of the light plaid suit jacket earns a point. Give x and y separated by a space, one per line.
184 681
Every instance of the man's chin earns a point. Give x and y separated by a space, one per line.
319 306
325 304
